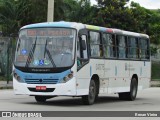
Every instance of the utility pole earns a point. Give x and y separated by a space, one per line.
50 14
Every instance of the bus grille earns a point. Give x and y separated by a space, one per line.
41 81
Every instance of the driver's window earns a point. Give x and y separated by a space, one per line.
85 55
82 54
78 49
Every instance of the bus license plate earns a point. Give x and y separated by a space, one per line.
40 87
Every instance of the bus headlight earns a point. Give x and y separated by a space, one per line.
67 78
17 77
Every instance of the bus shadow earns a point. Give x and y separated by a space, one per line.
77 101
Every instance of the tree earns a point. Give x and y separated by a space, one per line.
10 16
61 9
17 13
36 11
113 13
154 26
82 11
140 17
153 50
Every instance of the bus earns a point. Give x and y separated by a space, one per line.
74 59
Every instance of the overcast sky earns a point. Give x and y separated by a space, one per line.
149 4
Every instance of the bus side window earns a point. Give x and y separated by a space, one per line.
144 48
84 52
95 44
121 46
133 47
109 45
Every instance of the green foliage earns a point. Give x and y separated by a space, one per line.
108 13
113 13
153 50
82 11
35 12
154 26
2 78
140 17
10 16
61 8
155 71
17 13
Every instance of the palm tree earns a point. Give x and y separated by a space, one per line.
61 8
82 11
16 13
10 16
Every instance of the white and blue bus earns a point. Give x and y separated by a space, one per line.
75 59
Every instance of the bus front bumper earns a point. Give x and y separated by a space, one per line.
64 89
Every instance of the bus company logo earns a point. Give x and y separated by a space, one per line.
40 80
20 114
6 114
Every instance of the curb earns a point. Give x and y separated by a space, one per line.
155 83
4 85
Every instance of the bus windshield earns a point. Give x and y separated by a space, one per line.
45 48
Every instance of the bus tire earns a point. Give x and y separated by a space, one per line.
40 99
133 91
90 98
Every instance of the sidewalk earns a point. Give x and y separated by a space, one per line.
4 85
155 83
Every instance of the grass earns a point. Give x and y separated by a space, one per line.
2 78
6 87
153 79
155 71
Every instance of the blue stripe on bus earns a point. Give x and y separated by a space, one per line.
55 77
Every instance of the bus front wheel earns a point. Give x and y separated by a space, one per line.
40 99
90 98
133 91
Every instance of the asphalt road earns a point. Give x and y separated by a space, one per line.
147 100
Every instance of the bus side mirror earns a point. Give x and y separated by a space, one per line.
83 45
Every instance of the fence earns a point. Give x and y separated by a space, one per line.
7 51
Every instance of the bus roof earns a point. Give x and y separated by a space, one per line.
82 26
116 31
56 24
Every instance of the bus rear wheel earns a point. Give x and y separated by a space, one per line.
133 91
90 98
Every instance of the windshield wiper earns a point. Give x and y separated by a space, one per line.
49 54
31 53
18 46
